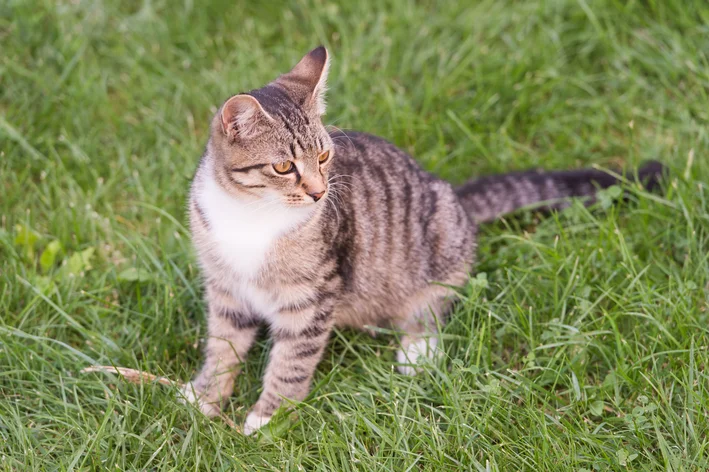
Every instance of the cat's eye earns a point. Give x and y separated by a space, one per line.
283 167
323 157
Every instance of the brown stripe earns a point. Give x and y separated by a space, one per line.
313 331
241 184
248 168
301 305
319 297
292 380
308 351
240 320
270 407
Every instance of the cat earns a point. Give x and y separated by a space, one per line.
303 230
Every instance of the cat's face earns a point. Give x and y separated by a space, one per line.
271 144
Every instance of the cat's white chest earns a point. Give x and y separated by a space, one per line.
242 233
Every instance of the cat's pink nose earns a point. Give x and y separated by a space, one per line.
317 195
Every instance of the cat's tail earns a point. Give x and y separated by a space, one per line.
488 198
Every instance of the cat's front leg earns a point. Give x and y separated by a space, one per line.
232 330
299 340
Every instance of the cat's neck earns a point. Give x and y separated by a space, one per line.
244 230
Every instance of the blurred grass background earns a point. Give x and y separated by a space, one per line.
582 343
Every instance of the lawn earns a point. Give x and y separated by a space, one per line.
579 344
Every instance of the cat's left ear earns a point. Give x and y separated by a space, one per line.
307 82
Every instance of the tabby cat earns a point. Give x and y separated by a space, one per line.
304 229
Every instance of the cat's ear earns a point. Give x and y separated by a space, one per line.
307 82
243 117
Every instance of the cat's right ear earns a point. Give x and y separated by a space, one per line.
243 117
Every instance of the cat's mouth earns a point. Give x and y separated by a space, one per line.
306 200
304 203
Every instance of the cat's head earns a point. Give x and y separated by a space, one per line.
270 143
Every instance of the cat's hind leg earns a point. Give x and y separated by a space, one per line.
419 341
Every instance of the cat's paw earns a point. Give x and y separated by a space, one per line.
254 422
190 394
415 352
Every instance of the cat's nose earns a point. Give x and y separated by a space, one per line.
317 195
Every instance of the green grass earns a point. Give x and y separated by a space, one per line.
584 346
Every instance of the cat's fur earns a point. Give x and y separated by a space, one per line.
380 248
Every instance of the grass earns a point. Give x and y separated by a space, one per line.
580 345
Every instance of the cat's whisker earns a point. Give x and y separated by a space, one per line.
339 190
336 203
340 185
343 182
335 194
340 176
269 204
333 122
342 134
334 207
333 181
330 126
258 201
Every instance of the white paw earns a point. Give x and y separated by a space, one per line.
254 422
422 348
188 394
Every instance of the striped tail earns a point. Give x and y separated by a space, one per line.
488 198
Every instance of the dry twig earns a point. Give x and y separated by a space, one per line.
138 376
